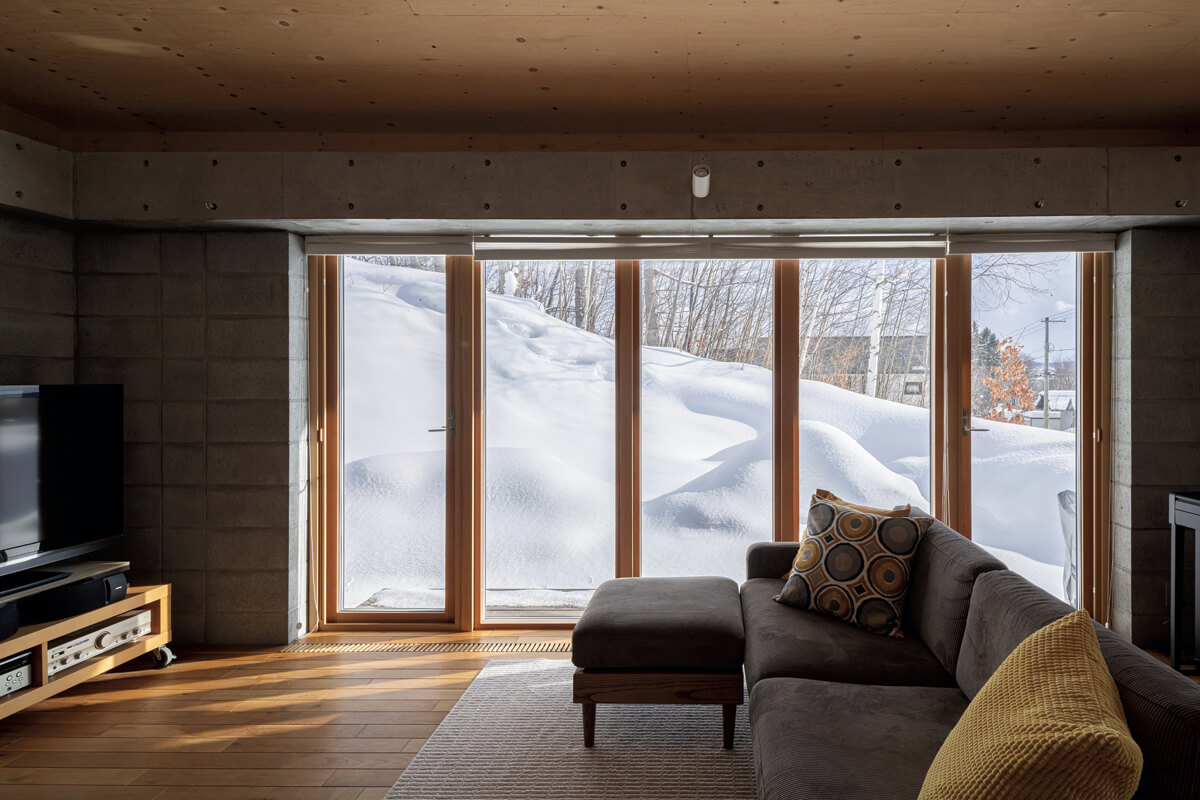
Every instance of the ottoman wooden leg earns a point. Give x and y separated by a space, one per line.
589 723
728 719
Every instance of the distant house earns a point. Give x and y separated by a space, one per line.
1062 410
903 366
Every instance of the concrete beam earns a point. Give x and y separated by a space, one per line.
36 177
892 187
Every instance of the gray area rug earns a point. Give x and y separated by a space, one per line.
516 734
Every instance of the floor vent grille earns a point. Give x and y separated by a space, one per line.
429 647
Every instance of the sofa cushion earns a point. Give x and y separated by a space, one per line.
661 624
1047 724
825 494
939 594
788 642
1161 706
854 566
827 741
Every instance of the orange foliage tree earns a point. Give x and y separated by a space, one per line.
1008 384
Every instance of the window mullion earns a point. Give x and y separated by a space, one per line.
628 343
785 408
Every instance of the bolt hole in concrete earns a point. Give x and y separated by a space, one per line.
898 162
623 206
350 162
760 163
487 206
146 163
1037 161
1177 156
897 206
1180 203
19 194
19 147
145 207
350 206
622 163
760 206
211 206
487 162
1040 203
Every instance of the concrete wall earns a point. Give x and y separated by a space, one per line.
1156 416
208 332
37 302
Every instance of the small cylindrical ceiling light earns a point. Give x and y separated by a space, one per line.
700 175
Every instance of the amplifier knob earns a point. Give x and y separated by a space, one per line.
104 640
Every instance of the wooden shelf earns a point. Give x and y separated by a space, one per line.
36 639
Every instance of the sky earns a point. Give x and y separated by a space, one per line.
1022 317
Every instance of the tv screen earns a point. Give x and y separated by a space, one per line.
61 472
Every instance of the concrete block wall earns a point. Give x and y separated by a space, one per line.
1156 416
37 302
208 332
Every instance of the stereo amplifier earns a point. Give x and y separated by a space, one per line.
16 673
79 647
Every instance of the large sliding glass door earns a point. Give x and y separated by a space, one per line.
865 382
706 421
549 461
1024 408
393 466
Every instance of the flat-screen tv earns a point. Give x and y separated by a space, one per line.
61 473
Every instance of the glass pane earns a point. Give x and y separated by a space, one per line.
705 414
393 545
864 380
1024 333
550 526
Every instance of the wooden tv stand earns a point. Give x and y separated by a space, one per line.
37 638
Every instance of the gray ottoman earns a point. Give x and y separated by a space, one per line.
660 640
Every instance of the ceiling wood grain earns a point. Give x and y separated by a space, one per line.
604 67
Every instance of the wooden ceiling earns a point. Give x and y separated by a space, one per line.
601 67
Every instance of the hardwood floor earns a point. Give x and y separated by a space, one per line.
245 723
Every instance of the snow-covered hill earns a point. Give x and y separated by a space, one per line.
706 452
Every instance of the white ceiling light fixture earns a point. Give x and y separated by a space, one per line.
700 175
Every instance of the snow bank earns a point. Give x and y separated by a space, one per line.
706 450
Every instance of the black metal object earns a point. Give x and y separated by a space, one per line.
1184 516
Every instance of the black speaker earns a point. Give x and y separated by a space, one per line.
73 599
10 620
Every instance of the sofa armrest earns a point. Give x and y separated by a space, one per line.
770 559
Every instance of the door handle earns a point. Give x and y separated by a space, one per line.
448 427
966 424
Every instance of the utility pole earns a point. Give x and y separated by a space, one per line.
1046 374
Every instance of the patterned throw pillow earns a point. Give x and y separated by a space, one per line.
825 494
854 566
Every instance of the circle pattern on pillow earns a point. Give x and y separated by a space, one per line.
900 535
835 601
854 566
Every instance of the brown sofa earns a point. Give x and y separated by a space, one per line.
838 713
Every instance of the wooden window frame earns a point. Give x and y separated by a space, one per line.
950 448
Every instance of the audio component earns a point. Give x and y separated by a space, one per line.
73 599
79 647
16 672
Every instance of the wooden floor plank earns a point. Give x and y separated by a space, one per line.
362 777
66 777
235 777
110 744
258 793
59 792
